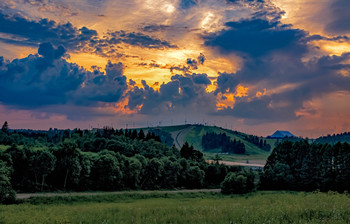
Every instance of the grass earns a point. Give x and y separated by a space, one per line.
259 207
259 158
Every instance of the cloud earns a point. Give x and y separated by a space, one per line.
112 43
257 38
49 53
32 32
340 23
226 83
183 91
155 28
191 64
134 39
305 82
103 88
273 62
186 4
49 80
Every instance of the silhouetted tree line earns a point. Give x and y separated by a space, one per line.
335 138
261 143
103 160
211 140
53 137
308 167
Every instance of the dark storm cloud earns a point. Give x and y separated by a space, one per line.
340 17
183 91
32 32
312 80
49 52
40 81
272 57
226 83
257 38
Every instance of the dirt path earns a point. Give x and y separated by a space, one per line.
180 135
29 195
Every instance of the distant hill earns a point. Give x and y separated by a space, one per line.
281 134
335 138
193 135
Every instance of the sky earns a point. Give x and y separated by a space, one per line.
255 66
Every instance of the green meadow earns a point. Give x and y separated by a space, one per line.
258 207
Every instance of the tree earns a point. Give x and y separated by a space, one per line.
217 158
5 127
238 183
7 195
106 171
188 152
42 163
141 135
153 173
132 172
195 177
68 165
19 159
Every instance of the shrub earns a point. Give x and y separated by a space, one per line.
238 183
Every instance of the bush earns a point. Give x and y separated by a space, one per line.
238 183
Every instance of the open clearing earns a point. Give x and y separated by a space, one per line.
210 207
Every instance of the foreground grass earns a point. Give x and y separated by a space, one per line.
260 207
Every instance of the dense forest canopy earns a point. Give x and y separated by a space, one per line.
104 159
213 140
308 167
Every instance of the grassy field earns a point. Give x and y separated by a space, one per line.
259 207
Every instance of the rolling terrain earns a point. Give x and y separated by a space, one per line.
193 135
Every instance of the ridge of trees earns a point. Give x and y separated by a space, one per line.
260 142
335 138
308 167
212 140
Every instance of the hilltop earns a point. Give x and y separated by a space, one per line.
193 134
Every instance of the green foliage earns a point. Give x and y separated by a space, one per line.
334 139
238 183
41 163
104 160
188 152
7 195
212 140
301 166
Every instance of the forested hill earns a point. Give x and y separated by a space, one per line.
194 134
335 138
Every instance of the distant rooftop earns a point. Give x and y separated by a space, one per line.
281 134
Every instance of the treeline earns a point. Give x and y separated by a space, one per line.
211 140
261 143
335 138
308 167
104 161
47 138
